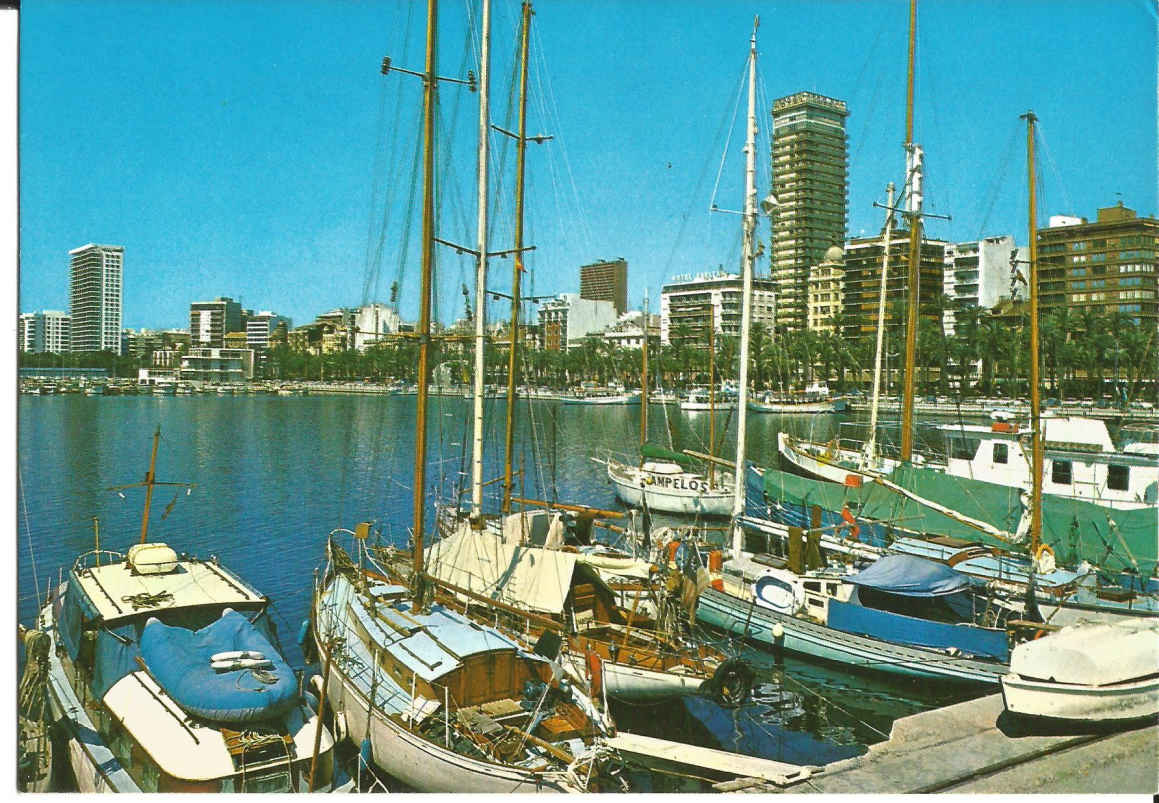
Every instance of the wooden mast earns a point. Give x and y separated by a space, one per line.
150 478
512 358
913 153
481 266
748 231
424 322
1035 411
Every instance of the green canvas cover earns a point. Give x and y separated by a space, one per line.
651 451
1075 530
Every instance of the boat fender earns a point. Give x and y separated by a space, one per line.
341 729
242 663
237 655
1044 559
303 632
364 753
731 683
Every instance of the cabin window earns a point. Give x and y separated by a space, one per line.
813 586
963 448
831 589
1000 452
1060 472
1118 477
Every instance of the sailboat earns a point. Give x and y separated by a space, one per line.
897 513
639 660
165 675
439 700
906 615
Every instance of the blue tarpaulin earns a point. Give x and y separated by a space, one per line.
910 576
179 659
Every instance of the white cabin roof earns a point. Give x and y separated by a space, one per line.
1091 654
183 747
193 583
1060 432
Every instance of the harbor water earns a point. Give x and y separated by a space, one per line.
275 474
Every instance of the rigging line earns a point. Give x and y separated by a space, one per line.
999 181
545 82
1040 140
28 531
728 139
411 208
392 162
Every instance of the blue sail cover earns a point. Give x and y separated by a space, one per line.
911 577
179 660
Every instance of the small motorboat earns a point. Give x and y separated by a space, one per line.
1087 673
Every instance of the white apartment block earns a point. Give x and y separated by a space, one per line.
982 273
691 301
565 321
94 297
372 322
48 331
258 328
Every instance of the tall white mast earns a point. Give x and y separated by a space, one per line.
481 265
886 237
748 230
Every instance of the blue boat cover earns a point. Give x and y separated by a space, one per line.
910 576
179 660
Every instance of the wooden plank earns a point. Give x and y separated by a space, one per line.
704 758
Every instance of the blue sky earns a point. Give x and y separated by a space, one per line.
252 149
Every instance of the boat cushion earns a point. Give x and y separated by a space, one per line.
179 660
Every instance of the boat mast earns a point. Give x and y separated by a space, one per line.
424 322
644 376
481 267
886 237
150 479
512 358
748 230
711 389
1035 411
913 213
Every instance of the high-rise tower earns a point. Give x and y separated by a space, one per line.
810 182
94 297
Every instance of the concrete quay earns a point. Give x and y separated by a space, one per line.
975 747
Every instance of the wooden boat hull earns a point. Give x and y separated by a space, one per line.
1119 702
814 640
419 763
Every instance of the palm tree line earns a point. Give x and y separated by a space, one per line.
1084 353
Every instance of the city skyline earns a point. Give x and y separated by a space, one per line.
254 177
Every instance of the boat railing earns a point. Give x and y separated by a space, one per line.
94 557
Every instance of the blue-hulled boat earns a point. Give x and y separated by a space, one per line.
903 615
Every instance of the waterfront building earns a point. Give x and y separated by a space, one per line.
981 273
235 340
47 331
628 331
217 365
688 303
94 297
372 323
811 185
209 321
565 321
1108 266
863 280
826 293
606 280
